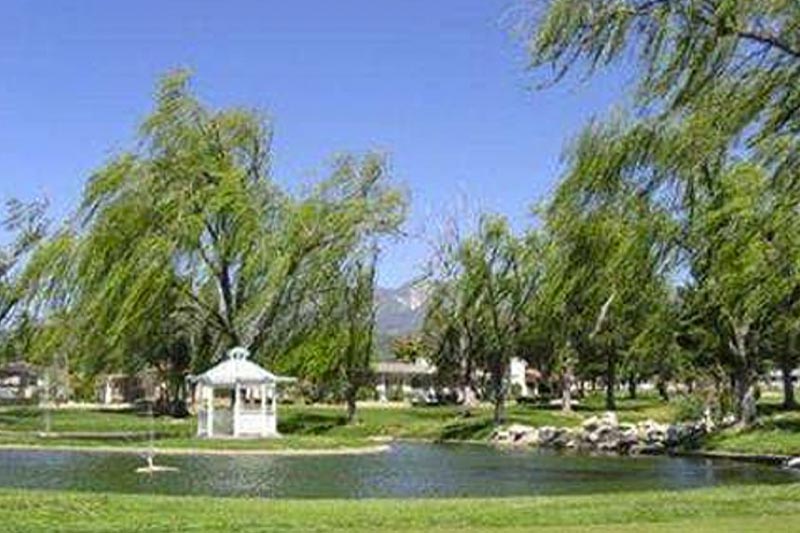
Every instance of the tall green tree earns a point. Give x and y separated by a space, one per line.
742 269
481 312
607 262
190 228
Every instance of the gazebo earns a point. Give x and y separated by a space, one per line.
237 398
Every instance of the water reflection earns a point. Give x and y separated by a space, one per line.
407 470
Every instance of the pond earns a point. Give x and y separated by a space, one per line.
406 470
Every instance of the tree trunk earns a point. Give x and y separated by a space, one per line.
632 387
467 389
566 392
499 408
789 401
661 385
350 397
498 389
743 379
745 398
611 380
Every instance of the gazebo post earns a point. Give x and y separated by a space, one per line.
236 409
209 411
273 424
264 408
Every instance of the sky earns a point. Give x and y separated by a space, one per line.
442 87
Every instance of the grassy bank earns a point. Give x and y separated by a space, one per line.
758 508
777 431
318 427
302 426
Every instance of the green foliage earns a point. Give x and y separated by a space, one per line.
479 315
27 226
713 153
185 247
744 53
689 408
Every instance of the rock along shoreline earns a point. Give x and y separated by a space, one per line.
605 434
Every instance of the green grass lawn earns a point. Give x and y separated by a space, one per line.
754 508
776 432
315 427
82 420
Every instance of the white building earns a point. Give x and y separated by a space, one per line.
518 376
237 398
403 379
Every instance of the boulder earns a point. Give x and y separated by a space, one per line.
651 432
628 439
547 435
672 435
517 434
591 424
562 438
500 435
609 418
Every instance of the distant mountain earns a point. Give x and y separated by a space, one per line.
399 312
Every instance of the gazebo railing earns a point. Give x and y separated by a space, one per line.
223 421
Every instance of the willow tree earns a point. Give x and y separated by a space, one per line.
747 268
745 51
480 311
27 226
190 229
727 227
608 257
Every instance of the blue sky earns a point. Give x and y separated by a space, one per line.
441 86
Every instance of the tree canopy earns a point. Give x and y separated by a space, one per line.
186 244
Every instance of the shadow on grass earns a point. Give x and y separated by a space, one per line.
19 418
769 409
469 429
311 423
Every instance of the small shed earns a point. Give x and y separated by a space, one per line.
237 398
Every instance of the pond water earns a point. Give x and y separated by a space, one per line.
406 470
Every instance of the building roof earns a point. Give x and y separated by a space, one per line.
18 368
238 369
417 368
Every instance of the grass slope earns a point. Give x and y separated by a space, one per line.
312 427
754 508
776 432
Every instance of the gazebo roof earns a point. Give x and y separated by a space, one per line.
238 369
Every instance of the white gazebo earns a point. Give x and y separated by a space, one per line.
237 398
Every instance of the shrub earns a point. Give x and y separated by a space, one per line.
689 407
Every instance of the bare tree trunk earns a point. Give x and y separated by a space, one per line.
498 388
611 380
499 407
743 379
789 401
632 387
467 389
566 391
350 398
661 385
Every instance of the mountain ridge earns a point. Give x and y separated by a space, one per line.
399 311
